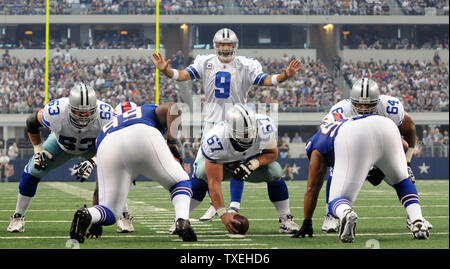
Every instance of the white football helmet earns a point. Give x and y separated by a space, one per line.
242 126
365 92
225 35
124 107
83 105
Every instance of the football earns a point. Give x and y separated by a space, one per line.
243 227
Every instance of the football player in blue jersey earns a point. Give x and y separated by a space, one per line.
352 146
132 144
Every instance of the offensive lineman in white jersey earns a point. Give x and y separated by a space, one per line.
364 99
226 79
75 122
244 147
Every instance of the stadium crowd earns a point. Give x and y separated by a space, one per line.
217 7
420 7
422 86
314 7
371 41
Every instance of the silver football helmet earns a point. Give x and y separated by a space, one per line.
124 107
365 96
225 35
83 105
242 126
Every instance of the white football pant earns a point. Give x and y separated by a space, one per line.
135 150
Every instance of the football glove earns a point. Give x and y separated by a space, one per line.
83 170
41 157
306 229
375 176
411 174
174 149
244 170
96 230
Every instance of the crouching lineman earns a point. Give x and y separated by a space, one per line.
75 123
353 146
243 147
132 144
83 170
365 99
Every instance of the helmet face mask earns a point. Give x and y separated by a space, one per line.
365 96
242 126
222 37
83 105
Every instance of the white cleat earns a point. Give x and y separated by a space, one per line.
17 224
330 224
287 225
348 226
125 224
209 215
420 230
409 224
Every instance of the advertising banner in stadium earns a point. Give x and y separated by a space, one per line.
293 169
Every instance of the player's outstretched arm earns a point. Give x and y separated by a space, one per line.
41 156
316 174
164 67
408 131
214 173
287 73
169 116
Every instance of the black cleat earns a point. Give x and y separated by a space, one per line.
185 231
80 223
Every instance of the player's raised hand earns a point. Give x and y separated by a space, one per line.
159 61
294 67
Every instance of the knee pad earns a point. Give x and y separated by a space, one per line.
199 188
28 184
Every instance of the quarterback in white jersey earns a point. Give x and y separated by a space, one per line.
74 122
226 77
226 80
243 147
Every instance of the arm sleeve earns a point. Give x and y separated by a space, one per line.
195 70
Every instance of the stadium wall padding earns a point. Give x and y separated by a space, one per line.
423 168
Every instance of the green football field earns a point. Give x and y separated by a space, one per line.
381 222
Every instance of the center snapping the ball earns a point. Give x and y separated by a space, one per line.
243 227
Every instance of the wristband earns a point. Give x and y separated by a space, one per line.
254 163
175 74
409 154
274 80
38 148
221 211
93 160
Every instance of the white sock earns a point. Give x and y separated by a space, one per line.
235 205
282 207
193 205
23 202
125 208
340 210
414 212
95 214
181 203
